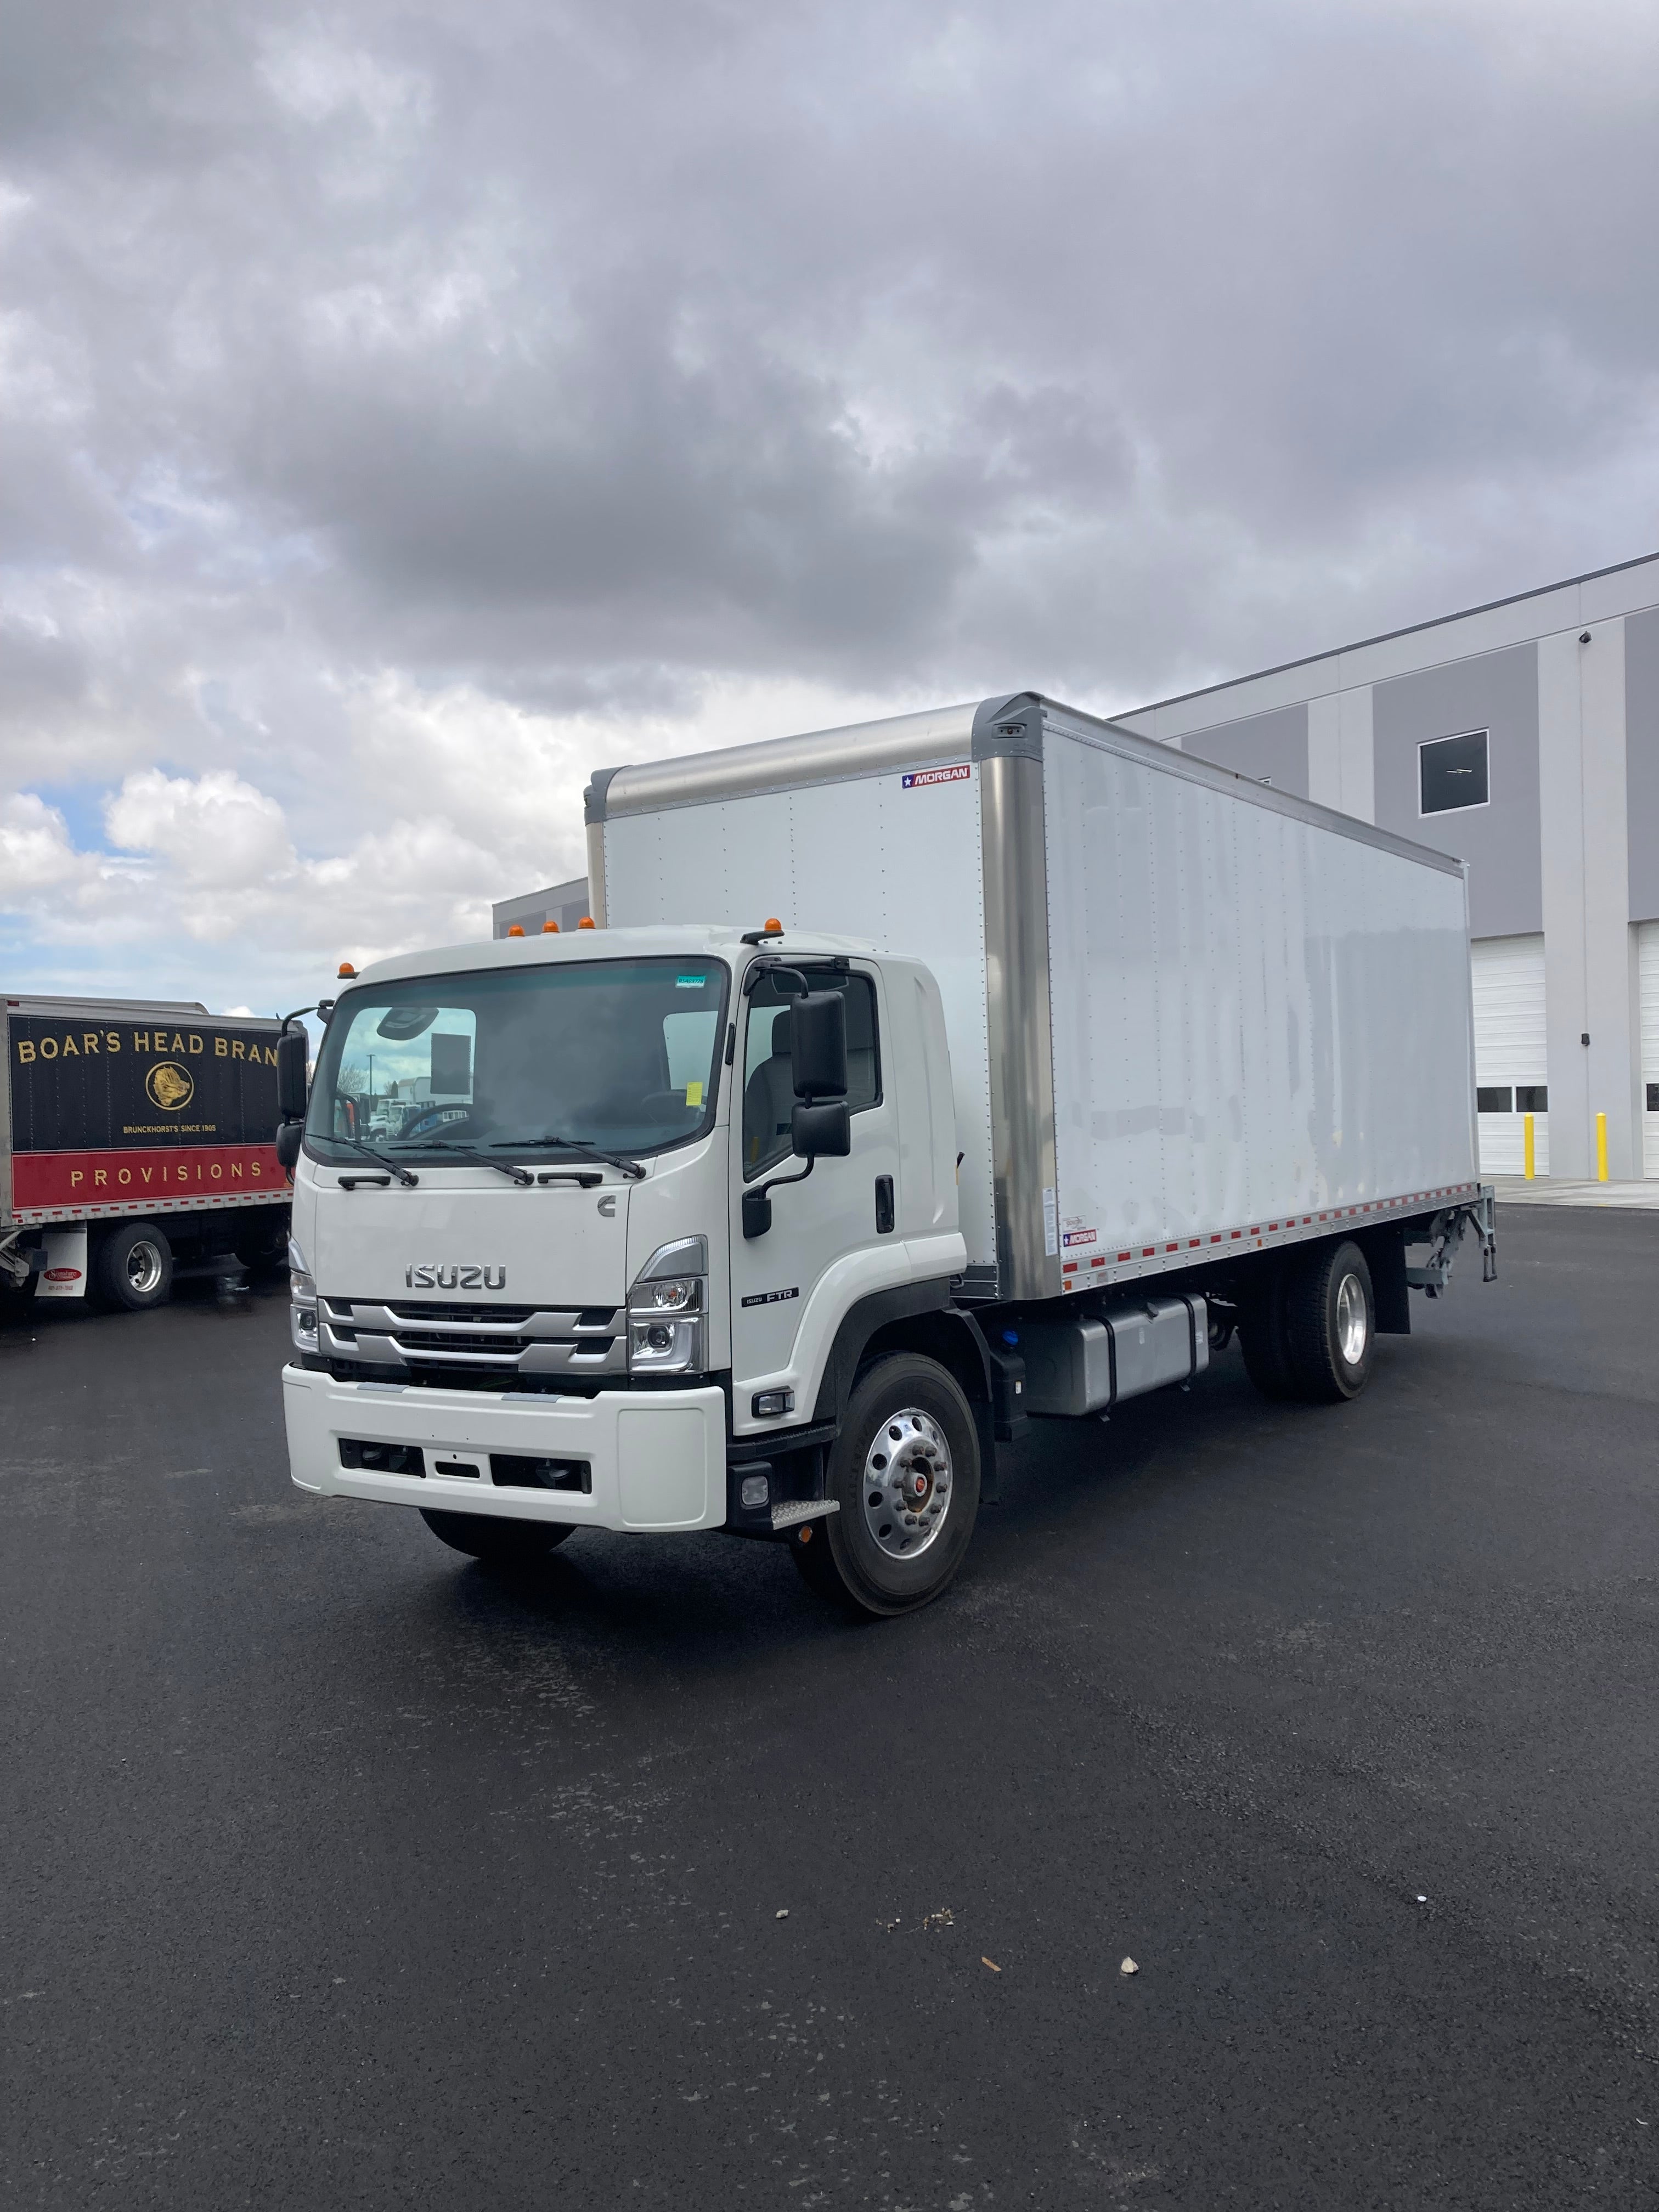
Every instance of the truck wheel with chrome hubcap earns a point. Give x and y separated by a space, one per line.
134 1267
905 1472
1330 1317
497 1542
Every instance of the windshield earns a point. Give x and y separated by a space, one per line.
620 1054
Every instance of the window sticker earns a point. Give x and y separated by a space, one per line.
694 1094
689 982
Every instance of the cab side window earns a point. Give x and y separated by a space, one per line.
769 1092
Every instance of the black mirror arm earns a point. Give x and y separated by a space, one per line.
773 971
757 1200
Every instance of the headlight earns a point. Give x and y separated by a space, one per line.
675 1344
302 1327
666 1321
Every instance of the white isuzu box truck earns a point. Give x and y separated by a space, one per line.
917 1080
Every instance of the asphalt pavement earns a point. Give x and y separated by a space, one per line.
342 1872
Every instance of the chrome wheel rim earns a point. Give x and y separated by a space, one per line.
144 1268
1353 1324
908 1484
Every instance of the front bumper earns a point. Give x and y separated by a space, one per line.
656 1459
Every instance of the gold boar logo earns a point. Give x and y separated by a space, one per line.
170 1086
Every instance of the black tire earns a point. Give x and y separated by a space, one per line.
1264 1335
499 1543
17 1299
1330 1313
134 1267
261 1248
845 1558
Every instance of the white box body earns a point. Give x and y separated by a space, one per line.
1188 1014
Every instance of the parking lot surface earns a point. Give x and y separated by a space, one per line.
341 1871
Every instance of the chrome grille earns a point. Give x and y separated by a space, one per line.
539 1340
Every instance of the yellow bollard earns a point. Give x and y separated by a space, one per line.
1601 1148
1527 1154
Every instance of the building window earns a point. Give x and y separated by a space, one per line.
1494 1098
1532 1098
1452 773
1653 1098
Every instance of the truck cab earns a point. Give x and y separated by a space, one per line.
623 1260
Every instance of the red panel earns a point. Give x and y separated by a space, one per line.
106 1178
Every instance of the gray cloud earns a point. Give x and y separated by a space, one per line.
588 360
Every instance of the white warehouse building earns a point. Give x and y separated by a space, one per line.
1523 737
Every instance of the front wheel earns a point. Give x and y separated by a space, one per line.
499 1543
905 1472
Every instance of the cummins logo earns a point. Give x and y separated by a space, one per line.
436 1278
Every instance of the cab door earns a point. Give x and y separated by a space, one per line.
843 1206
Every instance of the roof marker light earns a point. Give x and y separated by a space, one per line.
587 922
550 929
347 970
516 929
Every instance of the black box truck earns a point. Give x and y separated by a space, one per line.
135 1139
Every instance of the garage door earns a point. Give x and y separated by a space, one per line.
1648 960
1510 1063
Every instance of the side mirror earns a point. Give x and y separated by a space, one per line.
757 1211
817 1045
291 1050
287 1144
824 1132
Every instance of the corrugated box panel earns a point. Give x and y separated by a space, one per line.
1252 1015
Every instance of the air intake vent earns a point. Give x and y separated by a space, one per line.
381 1459
508 1471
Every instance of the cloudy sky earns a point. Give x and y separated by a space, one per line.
407 407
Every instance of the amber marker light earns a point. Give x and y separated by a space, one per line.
587 922
516 929
550 929
348 971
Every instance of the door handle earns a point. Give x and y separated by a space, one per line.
884 1206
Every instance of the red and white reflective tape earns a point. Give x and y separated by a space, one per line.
1293 1229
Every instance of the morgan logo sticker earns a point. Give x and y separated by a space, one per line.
918 779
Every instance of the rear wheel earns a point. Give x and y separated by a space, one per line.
1264 1335
134 1266
500 1543
17 1299
905 1472
1331 1324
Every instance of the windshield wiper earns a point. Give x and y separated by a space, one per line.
467 1152
569 1145
392 1167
